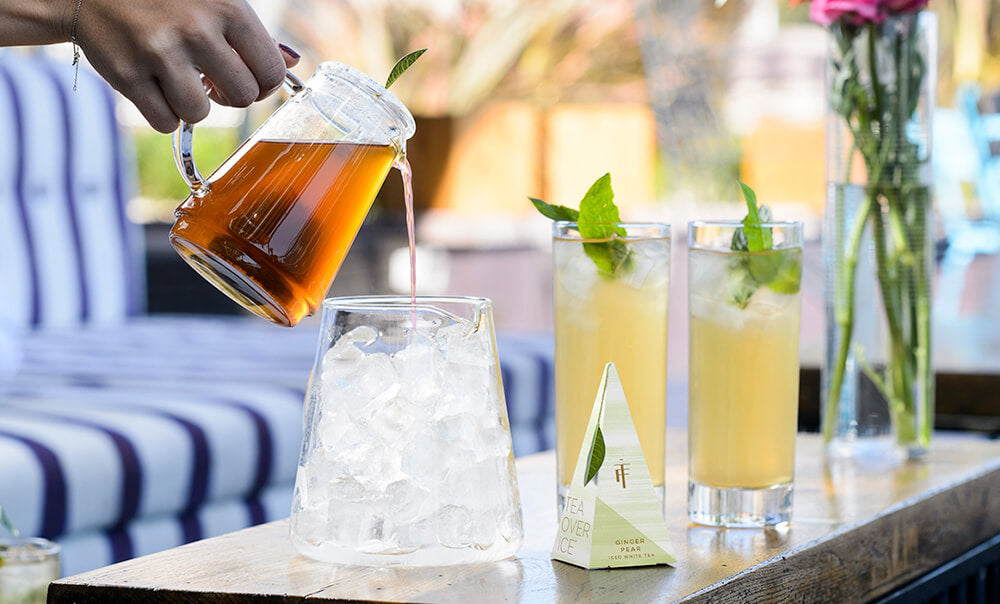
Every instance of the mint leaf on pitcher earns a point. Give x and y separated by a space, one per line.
402 65
598 219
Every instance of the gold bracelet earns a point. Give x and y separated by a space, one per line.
76 49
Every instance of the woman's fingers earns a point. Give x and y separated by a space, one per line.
289 55
149 99
291 59
170 56
258 52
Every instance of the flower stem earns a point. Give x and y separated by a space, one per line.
845 315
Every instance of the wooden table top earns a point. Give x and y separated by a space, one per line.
856 534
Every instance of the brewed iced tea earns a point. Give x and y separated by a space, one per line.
278 221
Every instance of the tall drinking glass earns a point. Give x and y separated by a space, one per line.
611 300
744 374
406 458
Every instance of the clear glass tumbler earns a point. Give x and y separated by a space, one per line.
743 381
27 566
611 297
406 457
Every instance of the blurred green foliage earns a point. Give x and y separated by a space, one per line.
158 176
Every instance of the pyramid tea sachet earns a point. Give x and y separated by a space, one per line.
612 516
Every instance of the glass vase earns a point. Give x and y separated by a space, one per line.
877 381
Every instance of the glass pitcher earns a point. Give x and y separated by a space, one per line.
271 226
406 457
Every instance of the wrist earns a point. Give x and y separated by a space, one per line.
29 22
68 12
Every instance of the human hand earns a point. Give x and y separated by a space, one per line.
169 57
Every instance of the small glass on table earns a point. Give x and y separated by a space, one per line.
743 378
27 566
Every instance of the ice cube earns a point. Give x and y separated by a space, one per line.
649 265
509 521
485 529
364 335
719 310
767 304
342 358
708 273
335 428
312 524
575 272
368 382
423 455
454 526
394 421
371 532
419 367
344 522
471 485
407 502
464 344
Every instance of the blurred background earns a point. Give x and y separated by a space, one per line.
677 99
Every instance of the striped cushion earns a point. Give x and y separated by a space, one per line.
163 417
87 550
68 255
11 351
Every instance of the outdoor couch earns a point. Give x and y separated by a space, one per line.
123 433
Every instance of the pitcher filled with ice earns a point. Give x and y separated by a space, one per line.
271 226
406 457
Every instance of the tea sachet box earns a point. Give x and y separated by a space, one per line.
612 516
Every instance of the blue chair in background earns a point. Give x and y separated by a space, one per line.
963 160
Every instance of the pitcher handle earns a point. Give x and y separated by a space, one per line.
183 142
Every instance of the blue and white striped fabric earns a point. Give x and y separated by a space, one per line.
120 433
132 434
68 255
11 350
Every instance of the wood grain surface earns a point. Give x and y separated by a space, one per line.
857 533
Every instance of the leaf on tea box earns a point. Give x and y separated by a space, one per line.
402 65
555 212
596 456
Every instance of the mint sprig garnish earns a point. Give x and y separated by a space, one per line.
402 65
781 271
598 219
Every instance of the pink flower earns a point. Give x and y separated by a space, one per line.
825 12
904 6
